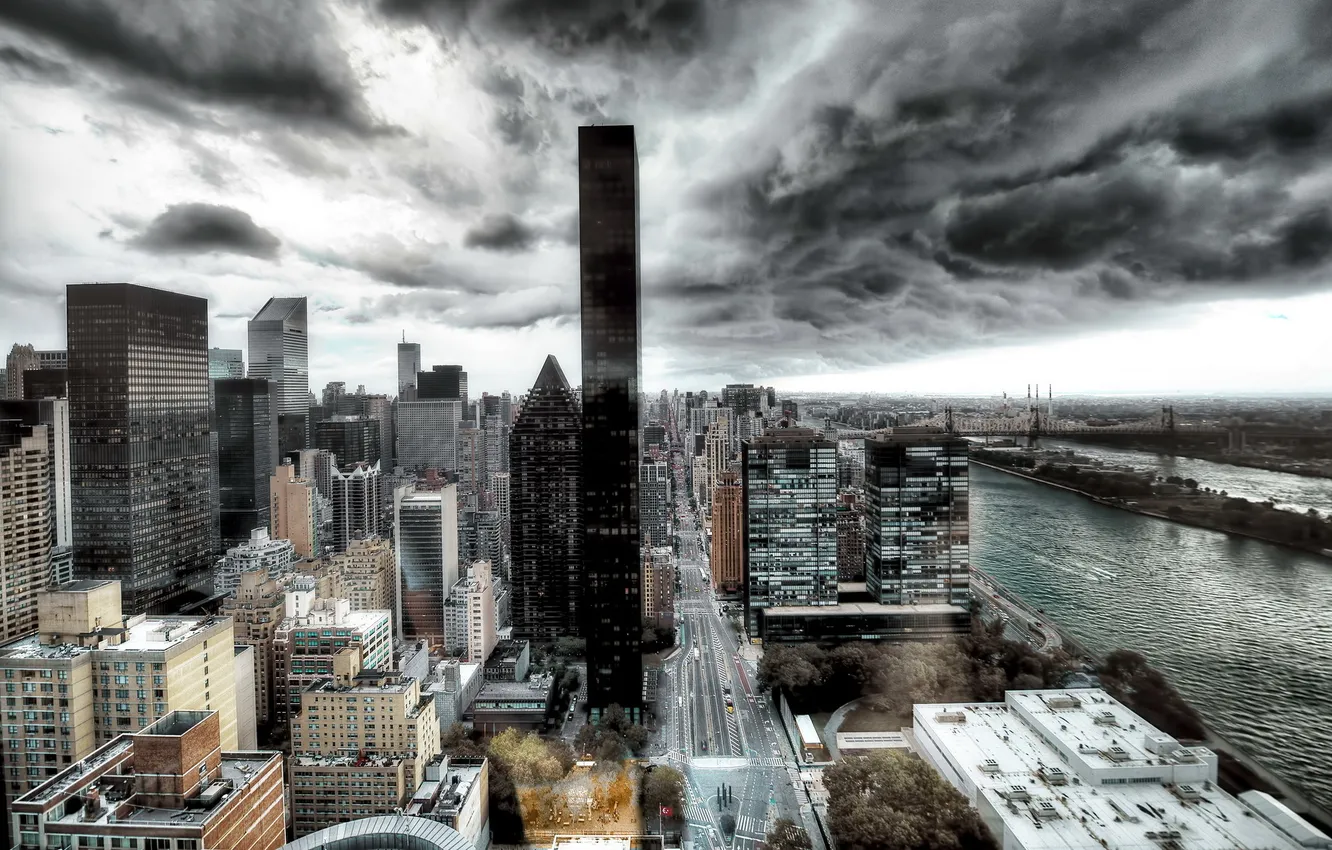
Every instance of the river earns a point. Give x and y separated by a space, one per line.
1242 628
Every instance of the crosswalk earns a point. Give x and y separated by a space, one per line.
753 826
696 812
770 761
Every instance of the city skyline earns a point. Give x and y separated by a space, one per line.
745 176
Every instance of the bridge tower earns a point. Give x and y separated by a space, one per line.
948 419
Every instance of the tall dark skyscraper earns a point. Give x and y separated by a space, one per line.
442 382
545 509
139 455
247 454
351 439
612 364
280 352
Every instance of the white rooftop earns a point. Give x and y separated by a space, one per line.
147 635
1046 769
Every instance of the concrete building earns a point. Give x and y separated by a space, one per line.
455 687
728 535
380 731
698 480
279 343
456 793
357 504
428 433
247 702
316 465
175 784
473 474
1077 769
256 610
25 524
469 615
654 493
509 662
294 511
225 363
917 519
113 673
260 552
54 414
659 587
395 831
717 456
23 360
136 445
513 705
369 578
790 495
425 527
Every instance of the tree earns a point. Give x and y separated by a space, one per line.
1128 677
663 786
1191 483
786 835
889 801
727 824
920 672
530 760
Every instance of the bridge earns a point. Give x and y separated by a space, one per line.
1033 422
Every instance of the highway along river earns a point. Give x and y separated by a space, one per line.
1242 628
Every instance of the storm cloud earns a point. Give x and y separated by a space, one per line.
206 228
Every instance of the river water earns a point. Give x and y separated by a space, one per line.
1242 628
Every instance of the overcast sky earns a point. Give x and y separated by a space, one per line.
890 196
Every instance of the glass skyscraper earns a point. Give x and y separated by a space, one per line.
545 511
790 522
409 363
247 454
139 441
917 519
612 363
280 353
425 543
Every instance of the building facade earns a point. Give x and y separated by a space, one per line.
225 363
850 543
247 453
612 369
140 477
294 511
369 577
790 496
654 492
409 363
25 524
917 519
546 520
428 434
280 353
443 383
659 587
425 527
271 556
351 439
728 535
256 610
357 504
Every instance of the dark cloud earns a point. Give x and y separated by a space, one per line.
206 228
503 232
513 310
27 65
270 55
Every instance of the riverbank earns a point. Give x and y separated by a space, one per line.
1237 771
1268 465
1180 518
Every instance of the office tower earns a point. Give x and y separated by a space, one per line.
425 531
501 497
256 610
357 511
260 552
472 471
716 445
698 480
140 475
428 434
23 359
82 630
469 615
790 495
654 491
280 353
659 587
316 465
25 521
916 517
409 363
442 382
247 453
791 410
545 511
225 363
334 392
46 383
850 538
379 408
702 417
612 366
350 439
54 414
369 577
342 769
654 434
728 535
743 398
770 396
294 511
177 776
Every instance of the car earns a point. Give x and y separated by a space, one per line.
571 714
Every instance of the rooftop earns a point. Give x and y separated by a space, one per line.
537 687
447 785
345 761
850 609
372 684
146 635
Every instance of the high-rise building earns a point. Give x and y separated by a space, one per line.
316 465
425 528
260 552
280 352
917 519
54 414
332 396
357 506
256 610
850 543
350 439
659 587
790 495
428 434
46 383
140 475
442 382
379 408
80 628
25 517
654 493
368 575
180 776
225 363
24 359
612 368
469 615
717 456
744 398
501 497
409 363
247 453
294 511
728 535
545 508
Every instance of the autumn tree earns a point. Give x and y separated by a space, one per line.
663 786
920 672
890 801
786 835
529 759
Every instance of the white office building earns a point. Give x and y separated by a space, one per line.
1076 769
260 552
